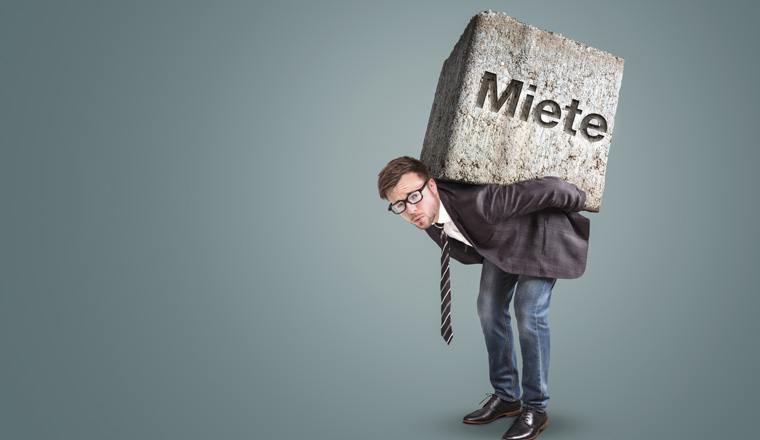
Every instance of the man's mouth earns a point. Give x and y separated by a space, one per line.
418 218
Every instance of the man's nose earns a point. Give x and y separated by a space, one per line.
411 208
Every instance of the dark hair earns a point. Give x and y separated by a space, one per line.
391 174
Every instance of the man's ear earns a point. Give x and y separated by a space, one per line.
432 186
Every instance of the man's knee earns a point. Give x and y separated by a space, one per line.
490 309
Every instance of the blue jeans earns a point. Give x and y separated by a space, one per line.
532 296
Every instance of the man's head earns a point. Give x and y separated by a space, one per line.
406 183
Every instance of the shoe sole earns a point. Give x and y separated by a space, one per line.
509 414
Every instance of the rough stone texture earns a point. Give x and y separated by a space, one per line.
472 144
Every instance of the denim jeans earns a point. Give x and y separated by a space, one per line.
532 296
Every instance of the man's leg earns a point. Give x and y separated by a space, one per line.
496 290
532 299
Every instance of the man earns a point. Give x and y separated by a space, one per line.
526 236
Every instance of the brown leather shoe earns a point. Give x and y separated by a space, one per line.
492 410
527 425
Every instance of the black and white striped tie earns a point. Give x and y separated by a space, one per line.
446 330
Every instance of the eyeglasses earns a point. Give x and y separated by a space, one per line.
414 198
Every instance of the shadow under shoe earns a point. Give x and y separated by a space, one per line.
528 425
492 410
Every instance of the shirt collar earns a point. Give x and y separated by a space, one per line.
443 216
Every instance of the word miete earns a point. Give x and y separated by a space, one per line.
546 108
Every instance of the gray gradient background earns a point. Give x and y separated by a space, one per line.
193 248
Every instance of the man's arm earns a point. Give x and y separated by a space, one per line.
500 202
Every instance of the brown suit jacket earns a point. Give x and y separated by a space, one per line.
528 228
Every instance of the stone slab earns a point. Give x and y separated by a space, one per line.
515 102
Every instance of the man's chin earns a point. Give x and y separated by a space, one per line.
423 224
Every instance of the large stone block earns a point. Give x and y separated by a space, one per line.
515 102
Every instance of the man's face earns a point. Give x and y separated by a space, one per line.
424 213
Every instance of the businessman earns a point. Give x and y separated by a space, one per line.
525 235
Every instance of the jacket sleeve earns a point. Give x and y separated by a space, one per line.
500 202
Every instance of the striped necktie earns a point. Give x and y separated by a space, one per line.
446 330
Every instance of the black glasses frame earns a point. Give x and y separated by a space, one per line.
406 200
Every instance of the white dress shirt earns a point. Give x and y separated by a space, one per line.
448 225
